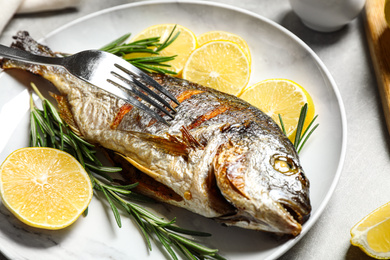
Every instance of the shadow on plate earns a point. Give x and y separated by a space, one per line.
28 236
355 253
48 13
25 78
311 37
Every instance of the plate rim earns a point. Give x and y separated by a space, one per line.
313 219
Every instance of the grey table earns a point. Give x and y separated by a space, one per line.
365 178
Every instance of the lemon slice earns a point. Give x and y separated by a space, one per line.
227 36
44 187
372 233
183 45
221 65
281 96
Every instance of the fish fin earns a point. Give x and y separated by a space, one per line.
172 144
138 166
147 185
65 113
189 139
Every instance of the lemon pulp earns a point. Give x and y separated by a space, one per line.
44 187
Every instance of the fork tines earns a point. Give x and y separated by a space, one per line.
133 78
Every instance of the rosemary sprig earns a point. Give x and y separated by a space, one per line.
148 45
48 129
301 138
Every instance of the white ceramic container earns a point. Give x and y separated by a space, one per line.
327 15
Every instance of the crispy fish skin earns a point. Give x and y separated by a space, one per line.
220 157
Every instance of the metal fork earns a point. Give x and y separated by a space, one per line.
108 72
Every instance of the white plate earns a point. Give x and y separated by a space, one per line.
276 53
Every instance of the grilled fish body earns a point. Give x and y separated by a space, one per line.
221 157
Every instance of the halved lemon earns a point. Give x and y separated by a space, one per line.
227 36
44 187
372 233
221 65
183 45
281 96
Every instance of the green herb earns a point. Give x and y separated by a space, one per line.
301 138
48 129
149 45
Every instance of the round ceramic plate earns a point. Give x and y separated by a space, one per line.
276 53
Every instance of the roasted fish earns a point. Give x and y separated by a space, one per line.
220 157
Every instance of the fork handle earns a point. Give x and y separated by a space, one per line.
16 54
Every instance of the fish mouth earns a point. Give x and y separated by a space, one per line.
300 212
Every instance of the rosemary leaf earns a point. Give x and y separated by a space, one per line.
147 214
218 257
187 231
116 42
147 41
79 139
300 139
150 69
168 223
307 137
106 169
53 111
127 187
152 60
118 190
282 124
33 131
308 127
301 122
141 224
113 207
197 247
149 45
169 40
186 252
61 136
42 123
85 213
105 176
164 242
86 152
139 198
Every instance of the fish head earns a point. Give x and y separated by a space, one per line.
261 176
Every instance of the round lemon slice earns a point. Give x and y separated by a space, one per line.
372 233
221 65
182 46
44 187
281 96
227 36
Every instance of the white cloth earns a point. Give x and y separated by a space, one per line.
10 7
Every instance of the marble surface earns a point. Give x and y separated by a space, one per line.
364 182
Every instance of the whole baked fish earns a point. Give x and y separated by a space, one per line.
220 157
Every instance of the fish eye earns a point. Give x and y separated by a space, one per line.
284 165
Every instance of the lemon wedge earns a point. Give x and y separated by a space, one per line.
182 46
221 65
44 187
281 96
227 36
372 233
